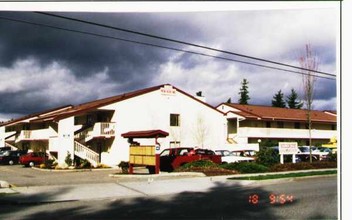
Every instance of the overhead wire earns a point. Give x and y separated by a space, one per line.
180 42
155 45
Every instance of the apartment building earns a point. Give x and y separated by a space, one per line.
259 124
93 130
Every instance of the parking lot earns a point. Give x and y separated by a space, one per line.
25 176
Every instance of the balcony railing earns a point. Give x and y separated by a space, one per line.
100 129
85 153
284 133
40 134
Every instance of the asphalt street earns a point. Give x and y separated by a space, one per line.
105 194
179 198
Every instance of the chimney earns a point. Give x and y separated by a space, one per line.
200 96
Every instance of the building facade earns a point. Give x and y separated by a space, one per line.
263 124
92 130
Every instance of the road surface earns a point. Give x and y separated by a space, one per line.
302 198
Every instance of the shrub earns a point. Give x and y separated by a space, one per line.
68 159
100 165
303 166
85 164
49 163
124 165
246 167
200 163
267 156
230 166
332 156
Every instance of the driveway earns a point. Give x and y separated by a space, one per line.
25 176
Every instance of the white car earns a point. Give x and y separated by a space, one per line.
232 157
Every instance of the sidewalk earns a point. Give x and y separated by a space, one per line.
124 186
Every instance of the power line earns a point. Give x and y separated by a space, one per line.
181 42
155 45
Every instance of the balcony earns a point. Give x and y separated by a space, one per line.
284 133
99 130
33 135
10 136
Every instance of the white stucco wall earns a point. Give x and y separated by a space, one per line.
65 140
152 111
2 136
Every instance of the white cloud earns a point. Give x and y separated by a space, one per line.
269 33
325 104
53 83
217 81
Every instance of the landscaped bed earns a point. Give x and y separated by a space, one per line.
212 169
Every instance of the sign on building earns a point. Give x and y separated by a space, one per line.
168 90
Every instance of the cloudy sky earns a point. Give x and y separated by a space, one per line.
42 67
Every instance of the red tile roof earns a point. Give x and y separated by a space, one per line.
285 114
93 105
145 134
46 113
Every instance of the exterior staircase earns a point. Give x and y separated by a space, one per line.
10 145
231 141
88 133
84 152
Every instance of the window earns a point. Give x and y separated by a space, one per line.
268 124
280 124
297 125
333 127
174 144
166 152
174 120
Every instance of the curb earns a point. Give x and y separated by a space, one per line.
74 170
4 184
161 175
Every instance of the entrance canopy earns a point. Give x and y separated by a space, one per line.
145 134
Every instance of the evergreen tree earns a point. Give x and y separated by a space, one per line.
292 101
278 100
229 100
244 97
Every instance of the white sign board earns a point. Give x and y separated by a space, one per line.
288 148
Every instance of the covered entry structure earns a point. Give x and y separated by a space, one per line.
145 155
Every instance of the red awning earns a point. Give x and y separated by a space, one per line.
145 134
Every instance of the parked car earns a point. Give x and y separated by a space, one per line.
222 152
304 153
323 152
236 157
287 159
173 158
11 157
33 158
3 149
244 153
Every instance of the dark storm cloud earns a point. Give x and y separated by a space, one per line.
70 68
325 89
130 65
21 103
84 54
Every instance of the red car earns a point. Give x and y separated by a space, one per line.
172 158
33 158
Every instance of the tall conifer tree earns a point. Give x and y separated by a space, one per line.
244 97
